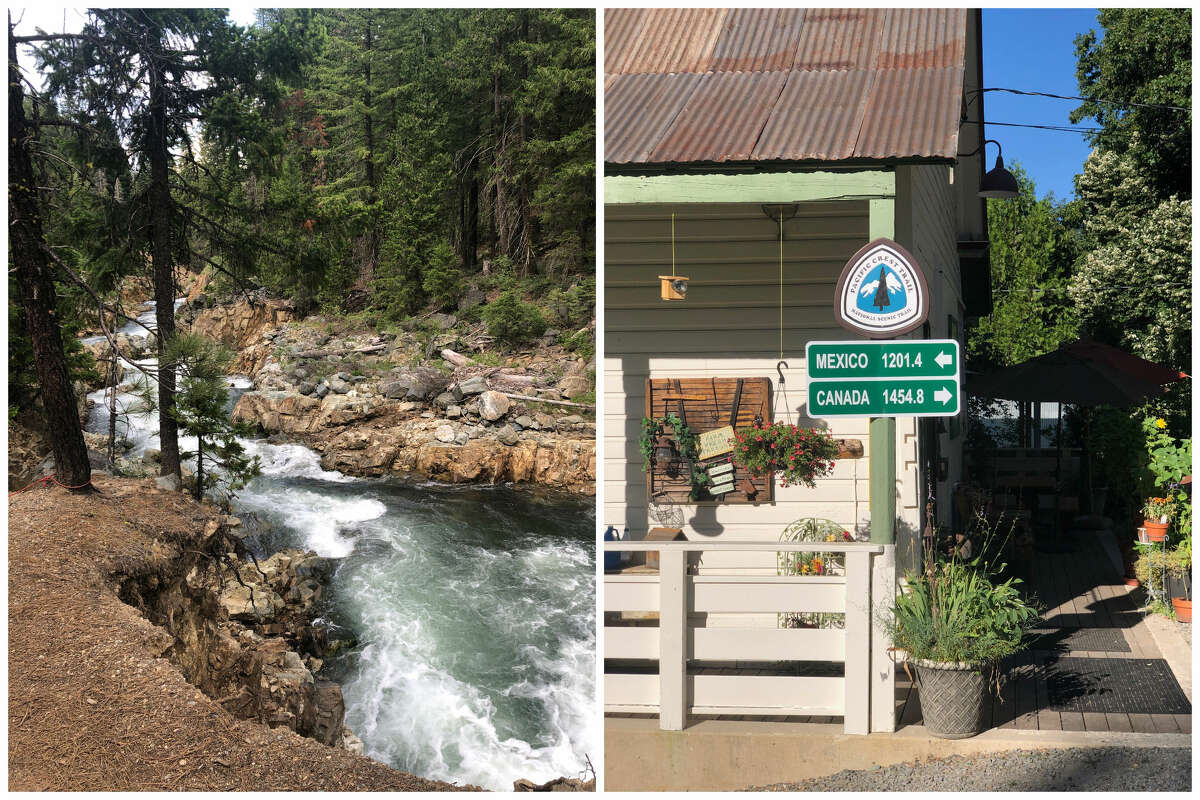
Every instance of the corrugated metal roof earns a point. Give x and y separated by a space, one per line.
710 85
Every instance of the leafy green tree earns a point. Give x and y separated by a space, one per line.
201 411
1031 255
1144 57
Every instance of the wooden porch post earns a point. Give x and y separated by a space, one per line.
857 717
883 666
672 632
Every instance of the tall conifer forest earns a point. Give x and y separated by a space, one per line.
379 162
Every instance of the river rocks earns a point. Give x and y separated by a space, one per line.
307 387
416 383
351 742
242 323
249 603
573 386
525 421
293 412
169 483
476 384
371 458
444 400
507 435
321 390
493 405
276 410
444 434
338 386
453 412
566 463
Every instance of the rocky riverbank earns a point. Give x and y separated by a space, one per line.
429 402
188 684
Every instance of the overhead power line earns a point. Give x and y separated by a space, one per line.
1124 104
1064 128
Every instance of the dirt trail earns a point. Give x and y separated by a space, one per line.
93 705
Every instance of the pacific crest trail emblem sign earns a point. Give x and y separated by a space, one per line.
881 292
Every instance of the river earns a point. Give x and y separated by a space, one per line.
473 608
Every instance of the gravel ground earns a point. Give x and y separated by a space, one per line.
1101 769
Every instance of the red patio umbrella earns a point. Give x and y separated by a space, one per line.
1082 373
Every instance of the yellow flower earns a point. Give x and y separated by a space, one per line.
1160 422
804 569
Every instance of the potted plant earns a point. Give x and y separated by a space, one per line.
801 455
1157 511
956 622
1179 580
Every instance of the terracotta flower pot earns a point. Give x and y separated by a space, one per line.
1183 609
1132 583
1155 531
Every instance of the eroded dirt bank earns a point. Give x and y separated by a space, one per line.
98 699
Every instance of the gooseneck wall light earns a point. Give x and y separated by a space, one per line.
998 182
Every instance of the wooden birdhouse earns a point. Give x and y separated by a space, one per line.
674 287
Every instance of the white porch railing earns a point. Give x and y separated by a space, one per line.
864 697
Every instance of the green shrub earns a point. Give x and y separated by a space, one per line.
959 610
442 280
512 320
580 342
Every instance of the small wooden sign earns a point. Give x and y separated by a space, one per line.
717 442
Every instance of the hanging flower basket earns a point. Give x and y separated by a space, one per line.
801 455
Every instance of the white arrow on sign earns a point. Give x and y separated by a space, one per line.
943 359
942 395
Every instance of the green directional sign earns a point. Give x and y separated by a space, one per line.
916 358
916 397
916 378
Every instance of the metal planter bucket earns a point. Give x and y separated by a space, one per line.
955 701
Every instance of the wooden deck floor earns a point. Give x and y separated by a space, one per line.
1080 589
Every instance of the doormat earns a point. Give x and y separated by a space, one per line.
1114 686
1105 640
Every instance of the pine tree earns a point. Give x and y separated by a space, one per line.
201 410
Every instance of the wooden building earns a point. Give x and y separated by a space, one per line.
847 124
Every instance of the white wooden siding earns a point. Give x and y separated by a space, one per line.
729 327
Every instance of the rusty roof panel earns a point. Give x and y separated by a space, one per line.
921 38
723 118
789 84
837 39
912 112
818 116
758 40
666 40
638 110
622 27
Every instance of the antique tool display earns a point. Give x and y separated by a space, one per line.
711 410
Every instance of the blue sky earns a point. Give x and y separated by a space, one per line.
1034 49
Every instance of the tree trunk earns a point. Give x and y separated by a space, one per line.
164 274
38 300
199 490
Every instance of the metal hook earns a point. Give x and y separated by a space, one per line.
780 371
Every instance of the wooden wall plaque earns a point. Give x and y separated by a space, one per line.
706 404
